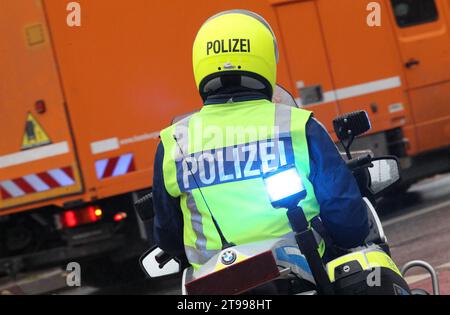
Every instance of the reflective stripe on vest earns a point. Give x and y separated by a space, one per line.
196 221
197 255
283 120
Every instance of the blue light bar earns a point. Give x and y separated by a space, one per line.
285 187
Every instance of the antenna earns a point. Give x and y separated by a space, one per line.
225 243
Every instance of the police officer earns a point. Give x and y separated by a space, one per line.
208 186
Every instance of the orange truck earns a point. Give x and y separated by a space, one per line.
81 106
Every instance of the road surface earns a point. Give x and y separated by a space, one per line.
418 228
417 225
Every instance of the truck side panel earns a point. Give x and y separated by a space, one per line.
126 75
308 60
422 30
37 159
364 63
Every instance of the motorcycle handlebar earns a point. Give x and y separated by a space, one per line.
359 162
162 258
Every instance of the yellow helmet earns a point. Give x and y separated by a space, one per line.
235 46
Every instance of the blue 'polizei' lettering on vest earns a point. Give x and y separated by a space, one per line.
231 164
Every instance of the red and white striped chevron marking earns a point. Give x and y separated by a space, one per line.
36 183
114 167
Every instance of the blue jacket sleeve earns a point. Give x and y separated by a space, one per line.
342 209
168 221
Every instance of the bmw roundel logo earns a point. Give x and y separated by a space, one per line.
228 257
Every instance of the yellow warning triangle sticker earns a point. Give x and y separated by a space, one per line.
35 135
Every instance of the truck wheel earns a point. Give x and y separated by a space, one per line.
97 273
107 273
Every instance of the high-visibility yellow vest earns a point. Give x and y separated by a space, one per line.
214 161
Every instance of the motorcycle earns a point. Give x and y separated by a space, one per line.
293 265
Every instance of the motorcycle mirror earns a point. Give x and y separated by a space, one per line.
282 96
384 173
157 264
350 126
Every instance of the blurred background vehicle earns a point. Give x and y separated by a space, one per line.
81 107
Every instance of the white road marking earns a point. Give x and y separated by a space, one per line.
444 266
416 213
48 280
424 276
414 279
84 290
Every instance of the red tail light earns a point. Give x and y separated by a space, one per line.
238 278
69 219
120 216
73 218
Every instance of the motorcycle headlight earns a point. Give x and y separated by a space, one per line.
285 187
